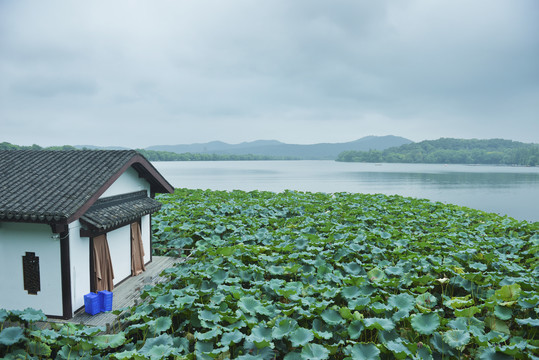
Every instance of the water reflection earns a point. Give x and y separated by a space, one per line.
502 190
448 179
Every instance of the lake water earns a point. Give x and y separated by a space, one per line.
504 190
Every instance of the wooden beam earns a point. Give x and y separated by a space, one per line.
65 261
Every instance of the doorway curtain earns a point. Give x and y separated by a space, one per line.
137 250
103 272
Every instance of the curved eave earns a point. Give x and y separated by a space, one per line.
116 211
146 170
32 217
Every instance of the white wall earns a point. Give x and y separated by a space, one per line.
146 234
128 182
79 253
119 241
120 252
15 240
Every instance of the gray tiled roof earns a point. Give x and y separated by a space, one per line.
55 186
111 212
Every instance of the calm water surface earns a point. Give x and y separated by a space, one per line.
512 191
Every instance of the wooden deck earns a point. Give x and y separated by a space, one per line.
126 294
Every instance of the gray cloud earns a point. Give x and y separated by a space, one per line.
47 87
303 71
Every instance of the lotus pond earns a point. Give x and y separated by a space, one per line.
297 275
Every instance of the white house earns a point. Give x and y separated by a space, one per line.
72 222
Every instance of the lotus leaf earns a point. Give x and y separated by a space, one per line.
367 290
209 316
32 315
232 337
109 341
459 323
249 305
363 352
332 317
346 313
248 357
423 353
162 324
497 325
394 270
359 304
353 268
219 276
220 229
379 323
38 349
160 352
166 300
380 308
261 336
3 315
266 353
508 293
456 338
293 356
276 270
127 354
404 302
426 301
11 335
314 352
467 312
300 337
459 302
491 354
478 266
376 275
441 346
355 328
350 292
208 334
283 327
503 313
399 315
320 330
398 349
529 322
426 324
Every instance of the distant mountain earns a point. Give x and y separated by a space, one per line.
322 151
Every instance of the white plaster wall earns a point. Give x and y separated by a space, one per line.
120 252
128 182
146 234
79 252
15 240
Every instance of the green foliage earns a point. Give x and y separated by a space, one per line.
154 155
452 151
339 276
8 146
11 335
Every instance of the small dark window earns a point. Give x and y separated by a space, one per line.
30 271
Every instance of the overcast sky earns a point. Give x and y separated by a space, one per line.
141 73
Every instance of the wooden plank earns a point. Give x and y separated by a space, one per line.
126 294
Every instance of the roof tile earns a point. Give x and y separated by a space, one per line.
50 186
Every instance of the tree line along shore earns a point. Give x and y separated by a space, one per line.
441 151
